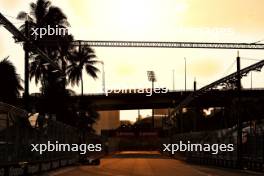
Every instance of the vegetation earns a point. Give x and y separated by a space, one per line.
79 59
56 47
71 59
10 82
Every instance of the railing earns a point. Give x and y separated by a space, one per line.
227 79
252 148
160 44
17 135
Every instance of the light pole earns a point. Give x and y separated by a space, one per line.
138 114
103 76
194 84
185 74
251 83
239 120
173 79
152 78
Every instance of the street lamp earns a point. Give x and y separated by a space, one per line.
251 82
185 74
239 121
103 75
173 79
152 78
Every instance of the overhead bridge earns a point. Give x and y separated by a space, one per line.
169 44
129 101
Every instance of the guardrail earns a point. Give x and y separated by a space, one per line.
17 135
252 149
36 167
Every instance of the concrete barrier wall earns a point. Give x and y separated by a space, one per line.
35 167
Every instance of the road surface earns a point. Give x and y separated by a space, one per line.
146 164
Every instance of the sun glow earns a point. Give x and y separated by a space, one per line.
144 14
134 16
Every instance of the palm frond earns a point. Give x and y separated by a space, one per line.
92 71
22 16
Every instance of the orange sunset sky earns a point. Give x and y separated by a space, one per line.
154 20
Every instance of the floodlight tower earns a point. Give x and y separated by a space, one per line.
152 79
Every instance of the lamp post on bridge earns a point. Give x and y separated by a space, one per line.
152 78
173 79
251 82
194 85
185 75
103 75
239 120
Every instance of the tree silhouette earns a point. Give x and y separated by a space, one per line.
59 49
82 58
43 14
79 59
10 82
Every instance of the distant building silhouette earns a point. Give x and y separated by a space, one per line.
108 120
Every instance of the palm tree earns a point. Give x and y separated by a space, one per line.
79 59
83 57
10 82
42 14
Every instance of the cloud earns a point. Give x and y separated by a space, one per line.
79 7
10 4
2 46
205 67
1 50
125 70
